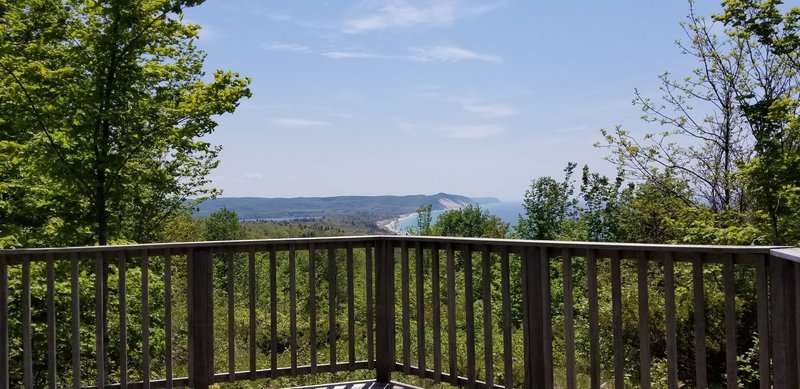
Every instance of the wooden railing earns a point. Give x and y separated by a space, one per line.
472 312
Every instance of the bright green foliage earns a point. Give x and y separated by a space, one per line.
470 221
423 226
103 106
223 225
548 205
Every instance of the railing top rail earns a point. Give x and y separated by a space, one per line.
789 254
780 251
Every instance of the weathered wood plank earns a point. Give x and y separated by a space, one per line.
671 325
644 320
418 256
51 323
730 323
145 319
451 315
594 319
168 319
122 266
469 314
436 312
312 305
488 355
404 294
701 378
351 318
505 293
569 321
616 303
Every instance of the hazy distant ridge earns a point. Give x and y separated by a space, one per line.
314 207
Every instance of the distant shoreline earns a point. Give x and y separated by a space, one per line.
392 224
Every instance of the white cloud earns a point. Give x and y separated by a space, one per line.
299 122
478 107
472 131
352 55
380 15
252 176
451 54
281 46
279 17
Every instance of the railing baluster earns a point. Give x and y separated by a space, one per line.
312 304
669 315
730 322
351 319
547 326
404 274
701 380
251 272
122 266
370 310
332 306
201 317
51 323
385 310
293 308
451 315
273 311
505 292
763 322
437 313
469 312
4 349
145 320
644 320
488 349
418 255
782 320
594 319
616 302
231 312
168 318
99 319
797 315
569 324
27 349
76 322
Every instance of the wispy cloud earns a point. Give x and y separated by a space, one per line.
472 131
282 46
252 176
479 107
381 15
299 122
451 54
279 17
352 55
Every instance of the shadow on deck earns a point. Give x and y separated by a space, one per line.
360 385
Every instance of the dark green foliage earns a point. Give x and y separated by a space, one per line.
470 221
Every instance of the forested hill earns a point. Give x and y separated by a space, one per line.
377 207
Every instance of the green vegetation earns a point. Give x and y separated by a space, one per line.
372 207
102 110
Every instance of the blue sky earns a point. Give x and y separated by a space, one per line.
407 97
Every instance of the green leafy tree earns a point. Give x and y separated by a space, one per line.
223 225
548 206
771 107
470 221
424 218
103 108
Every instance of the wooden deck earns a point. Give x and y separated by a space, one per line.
360 385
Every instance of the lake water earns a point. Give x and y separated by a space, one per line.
507 211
